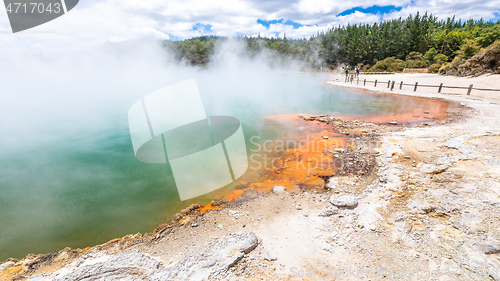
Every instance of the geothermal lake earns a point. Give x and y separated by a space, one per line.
85 186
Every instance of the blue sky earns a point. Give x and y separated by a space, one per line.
203 28
268 23
497 17
371 10
382 12
92 23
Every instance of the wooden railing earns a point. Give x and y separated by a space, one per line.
374 73
391 84
415 70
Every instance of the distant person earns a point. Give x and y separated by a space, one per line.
356 71
346 71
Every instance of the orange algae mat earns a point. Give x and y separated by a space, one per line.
301 156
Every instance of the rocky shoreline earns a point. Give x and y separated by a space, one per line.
412 203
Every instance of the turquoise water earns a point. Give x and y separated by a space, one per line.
85 188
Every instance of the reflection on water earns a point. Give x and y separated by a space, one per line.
88 188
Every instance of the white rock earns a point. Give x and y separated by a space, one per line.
330 210
38 277
433 169
344 201
216 260
278 189
268 256
420 207
332 183
6 264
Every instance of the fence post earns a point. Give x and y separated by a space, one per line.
392 85
470 90
401 85
358 80
375 83
440 88
415 89
388 83
364 82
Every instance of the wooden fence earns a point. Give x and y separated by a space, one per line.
415 70
391 84
374 73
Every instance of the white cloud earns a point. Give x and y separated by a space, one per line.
93 23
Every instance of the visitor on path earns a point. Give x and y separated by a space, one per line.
356 71
346 71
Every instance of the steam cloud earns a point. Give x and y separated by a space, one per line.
71 105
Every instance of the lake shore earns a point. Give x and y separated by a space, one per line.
428 208
486 81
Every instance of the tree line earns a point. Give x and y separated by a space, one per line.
416 41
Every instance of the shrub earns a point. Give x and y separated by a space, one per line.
489 36
430 55
468 49
441 58
414 56
434 68
417 63
416 60
487 60
443 69
390 64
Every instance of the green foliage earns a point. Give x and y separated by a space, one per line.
486 60
440 58
390 64
434 68
419 40
195 51
488 36
398 38
199 51
468 49
414 60
431 54
416 63
414 56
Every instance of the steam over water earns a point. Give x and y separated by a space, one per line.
68 174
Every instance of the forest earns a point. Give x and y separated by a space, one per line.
448 46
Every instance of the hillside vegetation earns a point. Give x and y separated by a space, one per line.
450 46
